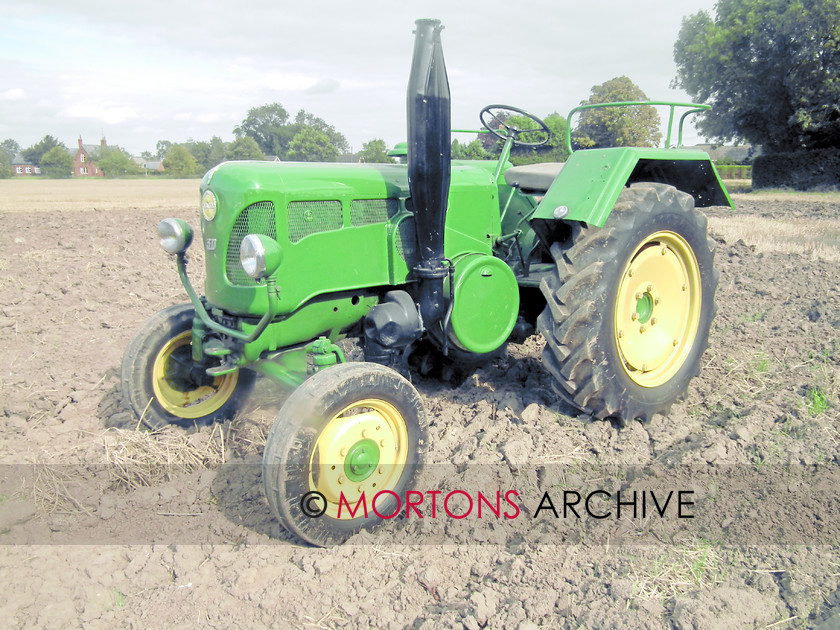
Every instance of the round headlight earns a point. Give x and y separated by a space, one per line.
260 255
208 205
175 235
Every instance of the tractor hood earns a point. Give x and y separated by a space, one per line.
341 226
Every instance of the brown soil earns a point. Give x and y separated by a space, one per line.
81 270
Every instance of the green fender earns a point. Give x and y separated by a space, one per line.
591 180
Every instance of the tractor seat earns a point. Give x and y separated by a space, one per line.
534 178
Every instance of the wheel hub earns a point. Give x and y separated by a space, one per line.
362 449
361 460
657 308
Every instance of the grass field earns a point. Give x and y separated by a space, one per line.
45 195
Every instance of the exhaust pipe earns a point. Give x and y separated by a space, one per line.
429 163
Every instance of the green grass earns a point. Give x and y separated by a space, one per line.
816 400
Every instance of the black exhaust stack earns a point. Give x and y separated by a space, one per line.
429 164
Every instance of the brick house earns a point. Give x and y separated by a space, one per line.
83 165
22 168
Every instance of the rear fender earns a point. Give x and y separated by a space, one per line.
591 181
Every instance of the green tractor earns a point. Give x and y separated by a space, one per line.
428 263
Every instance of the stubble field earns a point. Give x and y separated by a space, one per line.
102 525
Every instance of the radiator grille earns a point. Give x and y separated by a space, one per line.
255 219
311 217
406 241
369 211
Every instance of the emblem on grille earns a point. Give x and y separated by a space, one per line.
210 244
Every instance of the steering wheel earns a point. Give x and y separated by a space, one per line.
501 113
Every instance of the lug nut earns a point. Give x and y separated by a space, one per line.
639 296
653 321
340 479
656 301
343 451
642 329
634 316
649 288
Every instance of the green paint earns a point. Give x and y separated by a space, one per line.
644 308
361 460
345 236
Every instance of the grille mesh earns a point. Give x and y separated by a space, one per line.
310 217
369 211
406 242
255 219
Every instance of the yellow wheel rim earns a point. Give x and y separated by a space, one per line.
184 401
657 309
363 448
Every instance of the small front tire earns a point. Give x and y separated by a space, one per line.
162 383
353 428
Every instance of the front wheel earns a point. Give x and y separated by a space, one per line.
630 306
352 434
162 383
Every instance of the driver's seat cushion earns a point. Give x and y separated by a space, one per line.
534 178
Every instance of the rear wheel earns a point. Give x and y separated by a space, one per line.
351 430
163 384
630 306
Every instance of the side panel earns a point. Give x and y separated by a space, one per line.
591 181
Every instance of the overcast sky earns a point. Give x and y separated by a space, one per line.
145 71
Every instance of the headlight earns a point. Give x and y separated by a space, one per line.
208 205
260 255
175 235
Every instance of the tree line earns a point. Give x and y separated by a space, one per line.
266 131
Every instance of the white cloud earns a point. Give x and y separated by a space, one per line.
109 114
13 94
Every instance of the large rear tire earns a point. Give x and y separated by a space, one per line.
162 383
630 306
352 430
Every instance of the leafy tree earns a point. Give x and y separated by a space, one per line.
244 148
312 145
375 152
635 126
769 69
115 162
265 125
57 163
270 127
34 153
162 147
472 151
209 154
305 119
5 165
179 162
9 147
553 151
